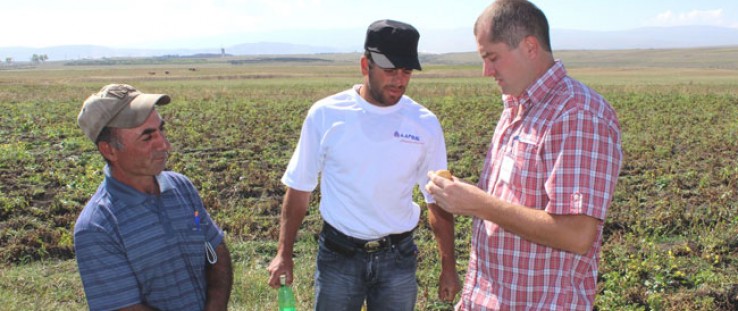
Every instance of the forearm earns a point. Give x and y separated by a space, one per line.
572 233
219 280
442 224
294 208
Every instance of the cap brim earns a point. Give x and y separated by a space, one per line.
391 62
138 110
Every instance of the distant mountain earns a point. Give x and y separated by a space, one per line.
74 52
462 40
266 48
69 52
645 38
431 41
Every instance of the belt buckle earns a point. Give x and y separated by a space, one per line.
372 246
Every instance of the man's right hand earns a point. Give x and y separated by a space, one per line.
294 208
280 265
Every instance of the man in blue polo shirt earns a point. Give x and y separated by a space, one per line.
144 241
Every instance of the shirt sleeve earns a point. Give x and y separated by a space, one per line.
304 166
213 233
108 280
585 162
434 160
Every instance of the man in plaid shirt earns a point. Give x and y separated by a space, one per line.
548 178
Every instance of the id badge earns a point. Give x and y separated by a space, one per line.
506 169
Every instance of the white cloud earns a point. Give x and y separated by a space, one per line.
695 17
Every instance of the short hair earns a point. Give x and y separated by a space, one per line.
510 21
110 136
370 61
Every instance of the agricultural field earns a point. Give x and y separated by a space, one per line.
670 240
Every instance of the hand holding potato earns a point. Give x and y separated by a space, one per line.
451 193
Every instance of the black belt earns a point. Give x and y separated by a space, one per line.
339 242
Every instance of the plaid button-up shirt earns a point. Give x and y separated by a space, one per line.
556 148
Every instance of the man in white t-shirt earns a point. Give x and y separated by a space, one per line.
369 147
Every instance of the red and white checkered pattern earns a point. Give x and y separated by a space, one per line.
564 142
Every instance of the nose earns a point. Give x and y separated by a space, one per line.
164 142
488 69
400 81
167 145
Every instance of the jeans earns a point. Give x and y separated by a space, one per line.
385 278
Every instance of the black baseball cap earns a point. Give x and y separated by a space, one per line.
393 44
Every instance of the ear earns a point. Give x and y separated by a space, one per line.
107 151
364 65
531 46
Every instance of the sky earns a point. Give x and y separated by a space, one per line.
201 23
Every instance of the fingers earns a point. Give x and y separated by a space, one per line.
447 294
273 281
277 268
432 175
274 278
444 294
429 187
445 174
434 183
449 286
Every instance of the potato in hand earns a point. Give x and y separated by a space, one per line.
445 174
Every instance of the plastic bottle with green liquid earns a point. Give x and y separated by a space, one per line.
286 298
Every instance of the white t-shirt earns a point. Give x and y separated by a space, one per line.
369 159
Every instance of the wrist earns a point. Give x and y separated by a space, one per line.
285 254
448 264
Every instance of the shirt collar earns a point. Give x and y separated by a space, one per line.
127 193
540 88
367 106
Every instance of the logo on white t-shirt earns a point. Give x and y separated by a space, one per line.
407 137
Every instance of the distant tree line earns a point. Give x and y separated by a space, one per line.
39 58
278 59
167 59
36 58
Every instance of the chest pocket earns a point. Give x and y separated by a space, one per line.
188 232
526 159
168 246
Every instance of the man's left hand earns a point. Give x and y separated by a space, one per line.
448 285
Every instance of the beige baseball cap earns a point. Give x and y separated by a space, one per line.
119 106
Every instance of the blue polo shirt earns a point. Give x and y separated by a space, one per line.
132 247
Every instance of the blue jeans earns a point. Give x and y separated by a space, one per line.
385 278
